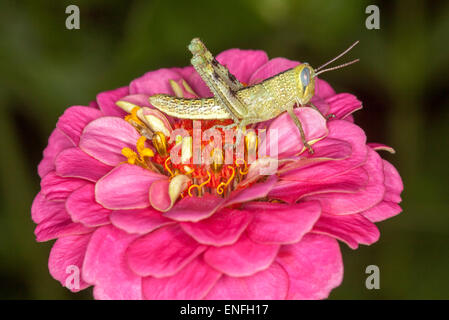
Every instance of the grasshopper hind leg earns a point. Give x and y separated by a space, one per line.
198 48
218 78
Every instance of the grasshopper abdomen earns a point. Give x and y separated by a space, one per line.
195 109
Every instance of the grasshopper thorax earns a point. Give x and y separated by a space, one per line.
305 83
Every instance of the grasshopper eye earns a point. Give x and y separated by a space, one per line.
305 77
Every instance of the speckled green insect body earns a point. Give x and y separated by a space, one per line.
232 100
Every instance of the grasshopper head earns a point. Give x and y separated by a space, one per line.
305 82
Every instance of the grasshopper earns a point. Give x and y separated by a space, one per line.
245 105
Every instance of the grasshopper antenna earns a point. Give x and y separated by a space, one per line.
339 56
337 67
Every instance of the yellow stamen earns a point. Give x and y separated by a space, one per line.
160 143
147 152
140 145
199 186
221 186
217 160
130 155
251 143
142 150
133 117
139 157
167 167
246 170
188 170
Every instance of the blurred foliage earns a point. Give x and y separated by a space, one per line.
401 79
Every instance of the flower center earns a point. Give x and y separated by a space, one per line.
214 176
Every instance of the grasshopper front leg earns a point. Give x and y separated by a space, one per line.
329 116
301 129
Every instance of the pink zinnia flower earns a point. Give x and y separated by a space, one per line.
134 226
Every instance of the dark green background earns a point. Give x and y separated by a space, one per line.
401 79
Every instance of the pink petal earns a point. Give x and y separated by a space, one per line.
180 82
197 84
105 138
321 104
393 183
256 191
42 208
382 211
348 182
269 284
139 221
314 266
286 191
74 119
105 266
82 207
353 229
223 228
106 101
193 282
74 163
349 203
323 89
156 120
140 100
242 63
186 72
57 142
159 197
163 252
55 187
58 225
126 187
276 223
195 208
260 168
243 258
380 146
93 104
332 149
67 254
155 82
272 68
324 150
289 140
349 118
343 104
340 130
